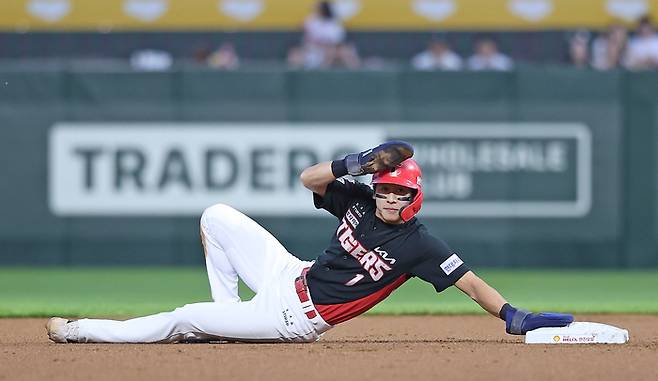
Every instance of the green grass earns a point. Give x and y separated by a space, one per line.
124 292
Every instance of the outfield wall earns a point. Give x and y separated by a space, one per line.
538 167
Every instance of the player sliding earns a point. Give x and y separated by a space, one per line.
378 245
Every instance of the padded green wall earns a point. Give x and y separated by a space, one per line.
619 107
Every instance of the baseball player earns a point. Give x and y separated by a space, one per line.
378 245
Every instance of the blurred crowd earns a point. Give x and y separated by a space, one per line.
324 44
616 48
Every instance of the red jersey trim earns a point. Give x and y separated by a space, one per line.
338 313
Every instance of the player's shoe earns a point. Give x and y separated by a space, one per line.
61 330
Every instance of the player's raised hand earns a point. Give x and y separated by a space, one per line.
384 156
518 321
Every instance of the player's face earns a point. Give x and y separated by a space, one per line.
390 199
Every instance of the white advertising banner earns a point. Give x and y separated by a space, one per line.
180 169
470 170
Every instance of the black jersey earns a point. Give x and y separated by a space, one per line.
367 258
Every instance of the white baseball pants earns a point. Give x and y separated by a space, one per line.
235 246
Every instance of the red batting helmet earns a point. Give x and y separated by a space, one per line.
408 175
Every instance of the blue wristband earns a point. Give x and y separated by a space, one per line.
338 168
503 311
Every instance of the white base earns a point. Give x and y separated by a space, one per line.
578 333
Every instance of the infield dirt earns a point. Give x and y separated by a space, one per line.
367 348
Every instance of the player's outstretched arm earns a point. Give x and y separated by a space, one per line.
517 321
483 294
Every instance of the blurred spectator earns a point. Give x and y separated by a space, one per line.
344 55
609 49
297 58
201 54
487 57
323 44
643 47
224 58
151 60
437 56
579 49
323 28
306 57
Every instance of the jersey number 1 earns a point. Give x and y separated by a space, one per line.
355 280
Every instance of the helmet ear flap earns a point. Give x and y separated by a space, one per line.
410 210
